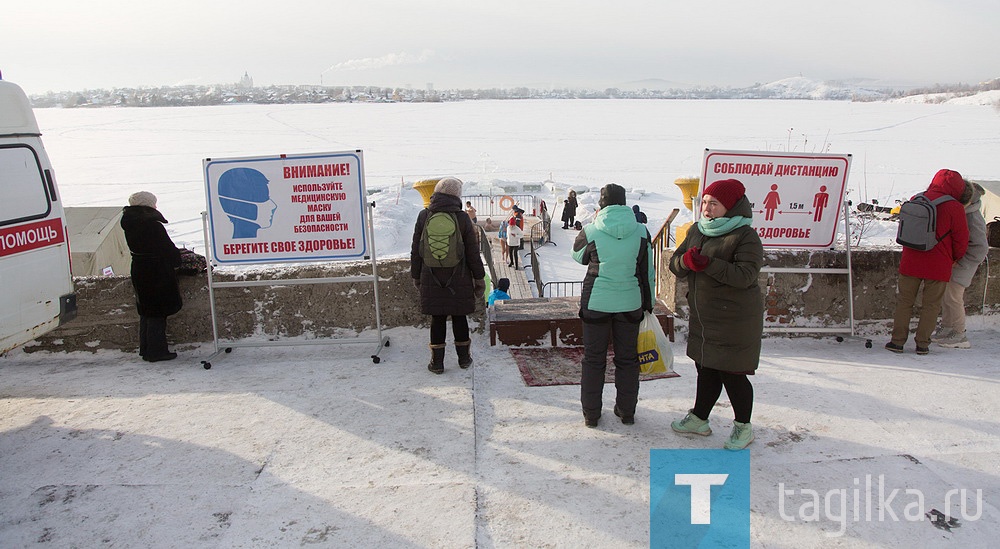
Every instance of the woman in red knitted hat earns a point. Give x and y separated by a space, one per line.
721 259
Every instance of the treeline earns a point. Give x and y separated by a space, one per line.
172 96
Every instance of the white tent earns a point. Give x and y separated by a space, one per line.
97 242
991 200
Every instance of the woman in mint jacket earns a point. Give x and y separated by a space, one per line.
618 287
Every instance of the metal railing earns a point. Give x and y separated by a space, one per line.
561 289
499 207
487 251
661 252
541 232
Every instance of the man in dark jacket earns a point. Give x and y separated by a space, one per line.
618 287
932 268
640 215
448 291
154 258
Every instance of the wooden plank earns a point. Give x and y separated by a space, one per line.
531 321
520 288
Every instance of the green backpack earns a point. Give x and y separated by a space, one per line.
441 243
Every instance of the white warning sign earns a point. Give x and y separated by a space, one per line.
796 197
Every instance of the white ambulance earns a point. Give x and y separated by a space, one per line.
36 287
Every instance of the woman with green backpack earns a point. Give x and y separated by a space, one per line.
447 270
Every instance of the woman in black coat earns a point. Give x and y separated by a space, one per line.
448 291
569 210
154 258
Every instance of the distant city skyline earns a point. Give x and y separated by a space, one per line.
59 45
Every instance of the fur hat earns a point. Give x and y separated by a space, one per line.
727 191
142 198
503 284
449 185
973 191
612 195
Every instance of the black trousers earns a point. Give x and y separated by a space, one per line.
152 336
710 384
439 328
623 330
514 257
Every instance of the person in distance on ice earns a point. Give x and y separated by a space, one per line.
721 259
448 290
154 258
617 289
932 268
569 210
640 215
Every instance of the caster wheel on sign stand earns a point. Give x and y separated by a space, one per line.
868 344
376 359
207 365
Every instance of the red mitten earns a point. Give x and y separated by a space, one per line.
694 260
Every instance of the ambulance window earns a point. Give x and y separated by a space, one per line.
22 186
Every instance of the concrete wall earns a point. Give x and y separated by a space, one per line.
821 299
107 317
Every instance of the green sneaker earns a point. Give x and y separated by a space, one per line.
692 424
741 437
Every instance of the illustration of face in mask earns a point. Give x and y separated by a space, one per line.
244 196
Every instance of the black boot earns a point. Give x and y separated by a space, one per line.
156 340
464 356
436 364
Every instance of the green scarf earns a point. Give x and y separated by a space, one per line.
722 225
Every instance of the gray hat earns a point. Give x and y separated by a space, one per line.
449 185
142 198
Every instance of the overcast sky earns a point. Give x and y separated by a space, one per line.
77 44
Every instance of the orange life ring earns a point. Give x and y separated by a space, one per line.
506 203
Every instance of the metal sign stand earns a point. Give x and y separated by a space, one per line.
847 331
221 347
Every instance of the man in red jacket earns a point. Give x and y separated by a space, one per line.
932 268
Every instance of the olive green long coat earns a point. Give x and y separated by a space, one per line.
726 305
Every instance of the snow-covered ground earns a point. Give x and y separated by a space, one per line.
288 447
301 446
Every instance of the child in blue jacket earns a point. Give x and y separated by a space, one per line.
500 292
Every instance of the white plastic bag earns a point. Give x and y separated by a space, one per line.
655 354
